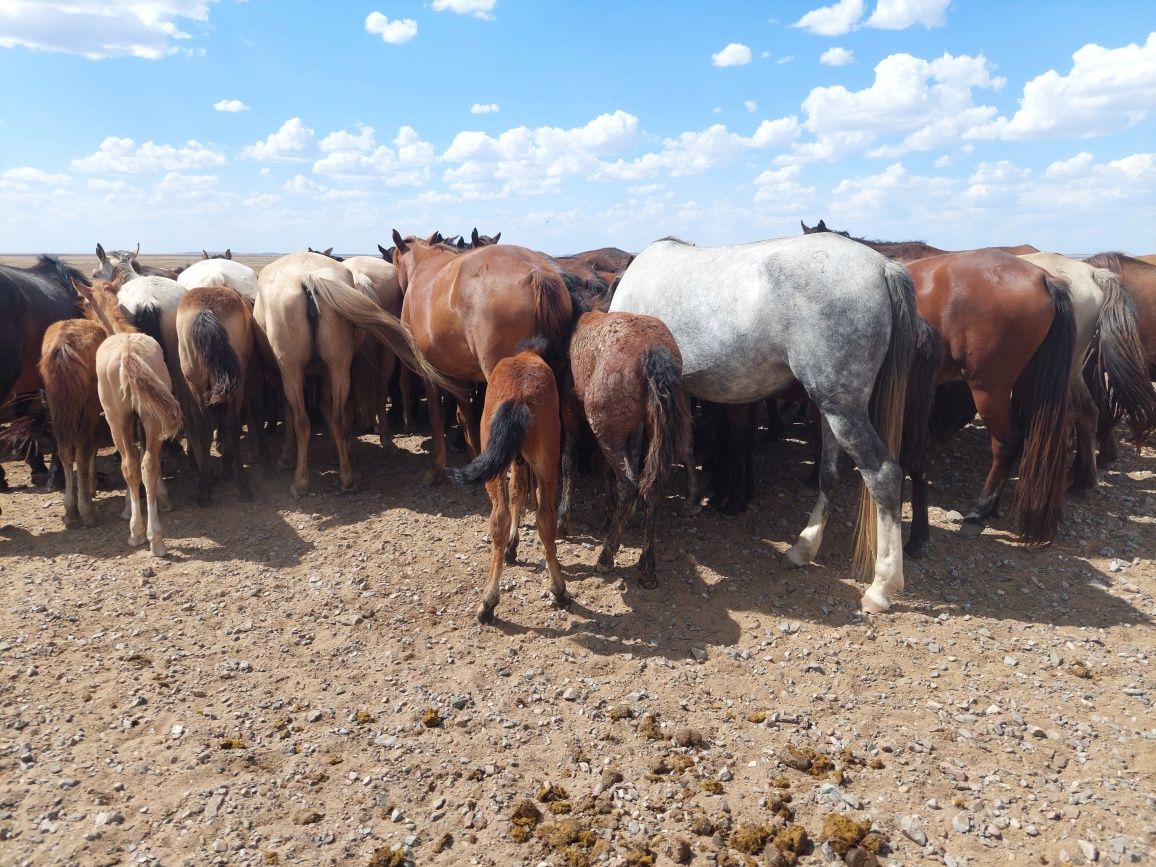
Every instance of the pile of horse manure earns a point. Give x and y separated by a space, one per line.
843 832
579 846
712 786
688 737
807 760
431 719
393 857
750 839
364 717
231 743
621 711
445 841
791 842
524 818
552 792
335 760
757 716
648 727
701 825
1081 670
640 857
560 833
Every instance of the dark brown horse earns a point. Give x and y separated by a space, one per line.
1008 332
907 251
519 423
1139 281
609 262
31 299
625 375
467 311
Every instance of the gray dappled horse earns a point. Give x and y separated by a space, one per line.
821 310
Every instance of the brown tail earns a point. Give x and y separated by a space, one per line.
552 309
358 310
667 417
211 342
151 398
1116 369
889 400
1042 396
69 388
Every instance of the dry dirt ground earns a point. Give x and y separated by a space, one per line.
304 682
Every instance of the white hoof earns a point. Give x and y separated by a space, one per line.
873 602
137 541
795 557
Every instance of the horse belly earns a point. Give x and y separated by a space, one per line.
734 381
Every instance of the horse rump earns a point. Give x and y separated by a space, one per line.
508 427
151 398
667 416
222 367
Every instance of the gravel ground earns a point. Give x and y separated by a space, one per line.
304 682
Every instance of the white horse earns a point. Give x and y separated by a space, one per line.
221 272
820 310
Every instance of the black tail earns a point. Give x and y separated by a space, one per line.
148 321
212 344
508 428
667 417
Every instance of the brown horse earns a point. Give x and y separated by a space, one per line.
468 311
68 368
216 346
1138 278
1008 331
608 262
307 307
519 423
907 251
625 375
133 382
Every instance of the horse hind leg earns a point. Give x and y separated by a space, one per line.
807 545
130 468
1085 416
86 478
626 492
995 408
232 437
499 536
546 474
151 470
68 455
519 495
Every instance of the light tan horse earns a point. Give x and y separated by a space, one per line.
68 368
132 380
215 336
308 309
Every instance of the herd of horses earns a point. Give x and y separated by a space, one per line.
886 348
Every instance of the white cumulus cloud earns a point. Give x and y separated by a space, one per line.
394 32
99 29
350 155
478 8
230 105
833 20
751 105
485 108
837 56
294 141
125 156
901 14
735 54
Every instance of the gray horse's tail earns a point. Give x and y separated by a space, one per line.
1116 368
889 399
667 416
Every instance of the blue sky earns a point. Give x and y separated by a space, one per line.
267 126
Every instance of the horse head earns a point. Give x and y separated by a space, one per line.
328 251
477 240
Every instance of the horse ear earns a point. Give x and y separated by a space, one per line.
822 227
100 254
82 288
497 237
474 235
399 242
435 238
204 255
328 251
136 252
805 229
229 253
381 250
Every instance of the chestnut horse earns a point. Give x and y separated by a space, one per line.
469 310
1139 281
133 383
68 368
1008 331
625 375
607 262
31 299
519 423
215 336
907 251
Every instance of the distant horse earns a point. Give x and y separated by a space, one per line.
221 271
31 299
328 252
519 423
907 251
215 335
1009 332
608 262
228 254
1139 282
625 376
477 240
821 310
108 263
133 382
375 362
468 311
307 307
1116 373
68 368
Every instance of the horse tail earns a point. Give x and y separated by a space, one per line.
356 309
211 342
508 427
667 417
889 398
69 379
1043 411
151 399
1116 366
147 320
552 319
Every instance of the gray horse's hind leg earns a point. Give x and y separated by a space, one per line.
884 479
807 545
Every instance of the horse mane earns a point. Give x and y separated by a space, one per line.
1113 261
57 269
675 240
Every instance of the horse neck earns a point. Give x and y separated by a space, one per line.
431 258
110 316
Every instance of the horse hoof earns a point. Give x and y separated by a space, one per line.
916 550
794 559
297 491
39 479
71 522
970 528
432 477
561 602
647 580
159 550
204 500
511 554
88 520
605 563
873 604
137 542
485 614
349 486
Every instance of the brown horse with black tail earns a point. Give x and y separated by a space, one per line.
519 423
